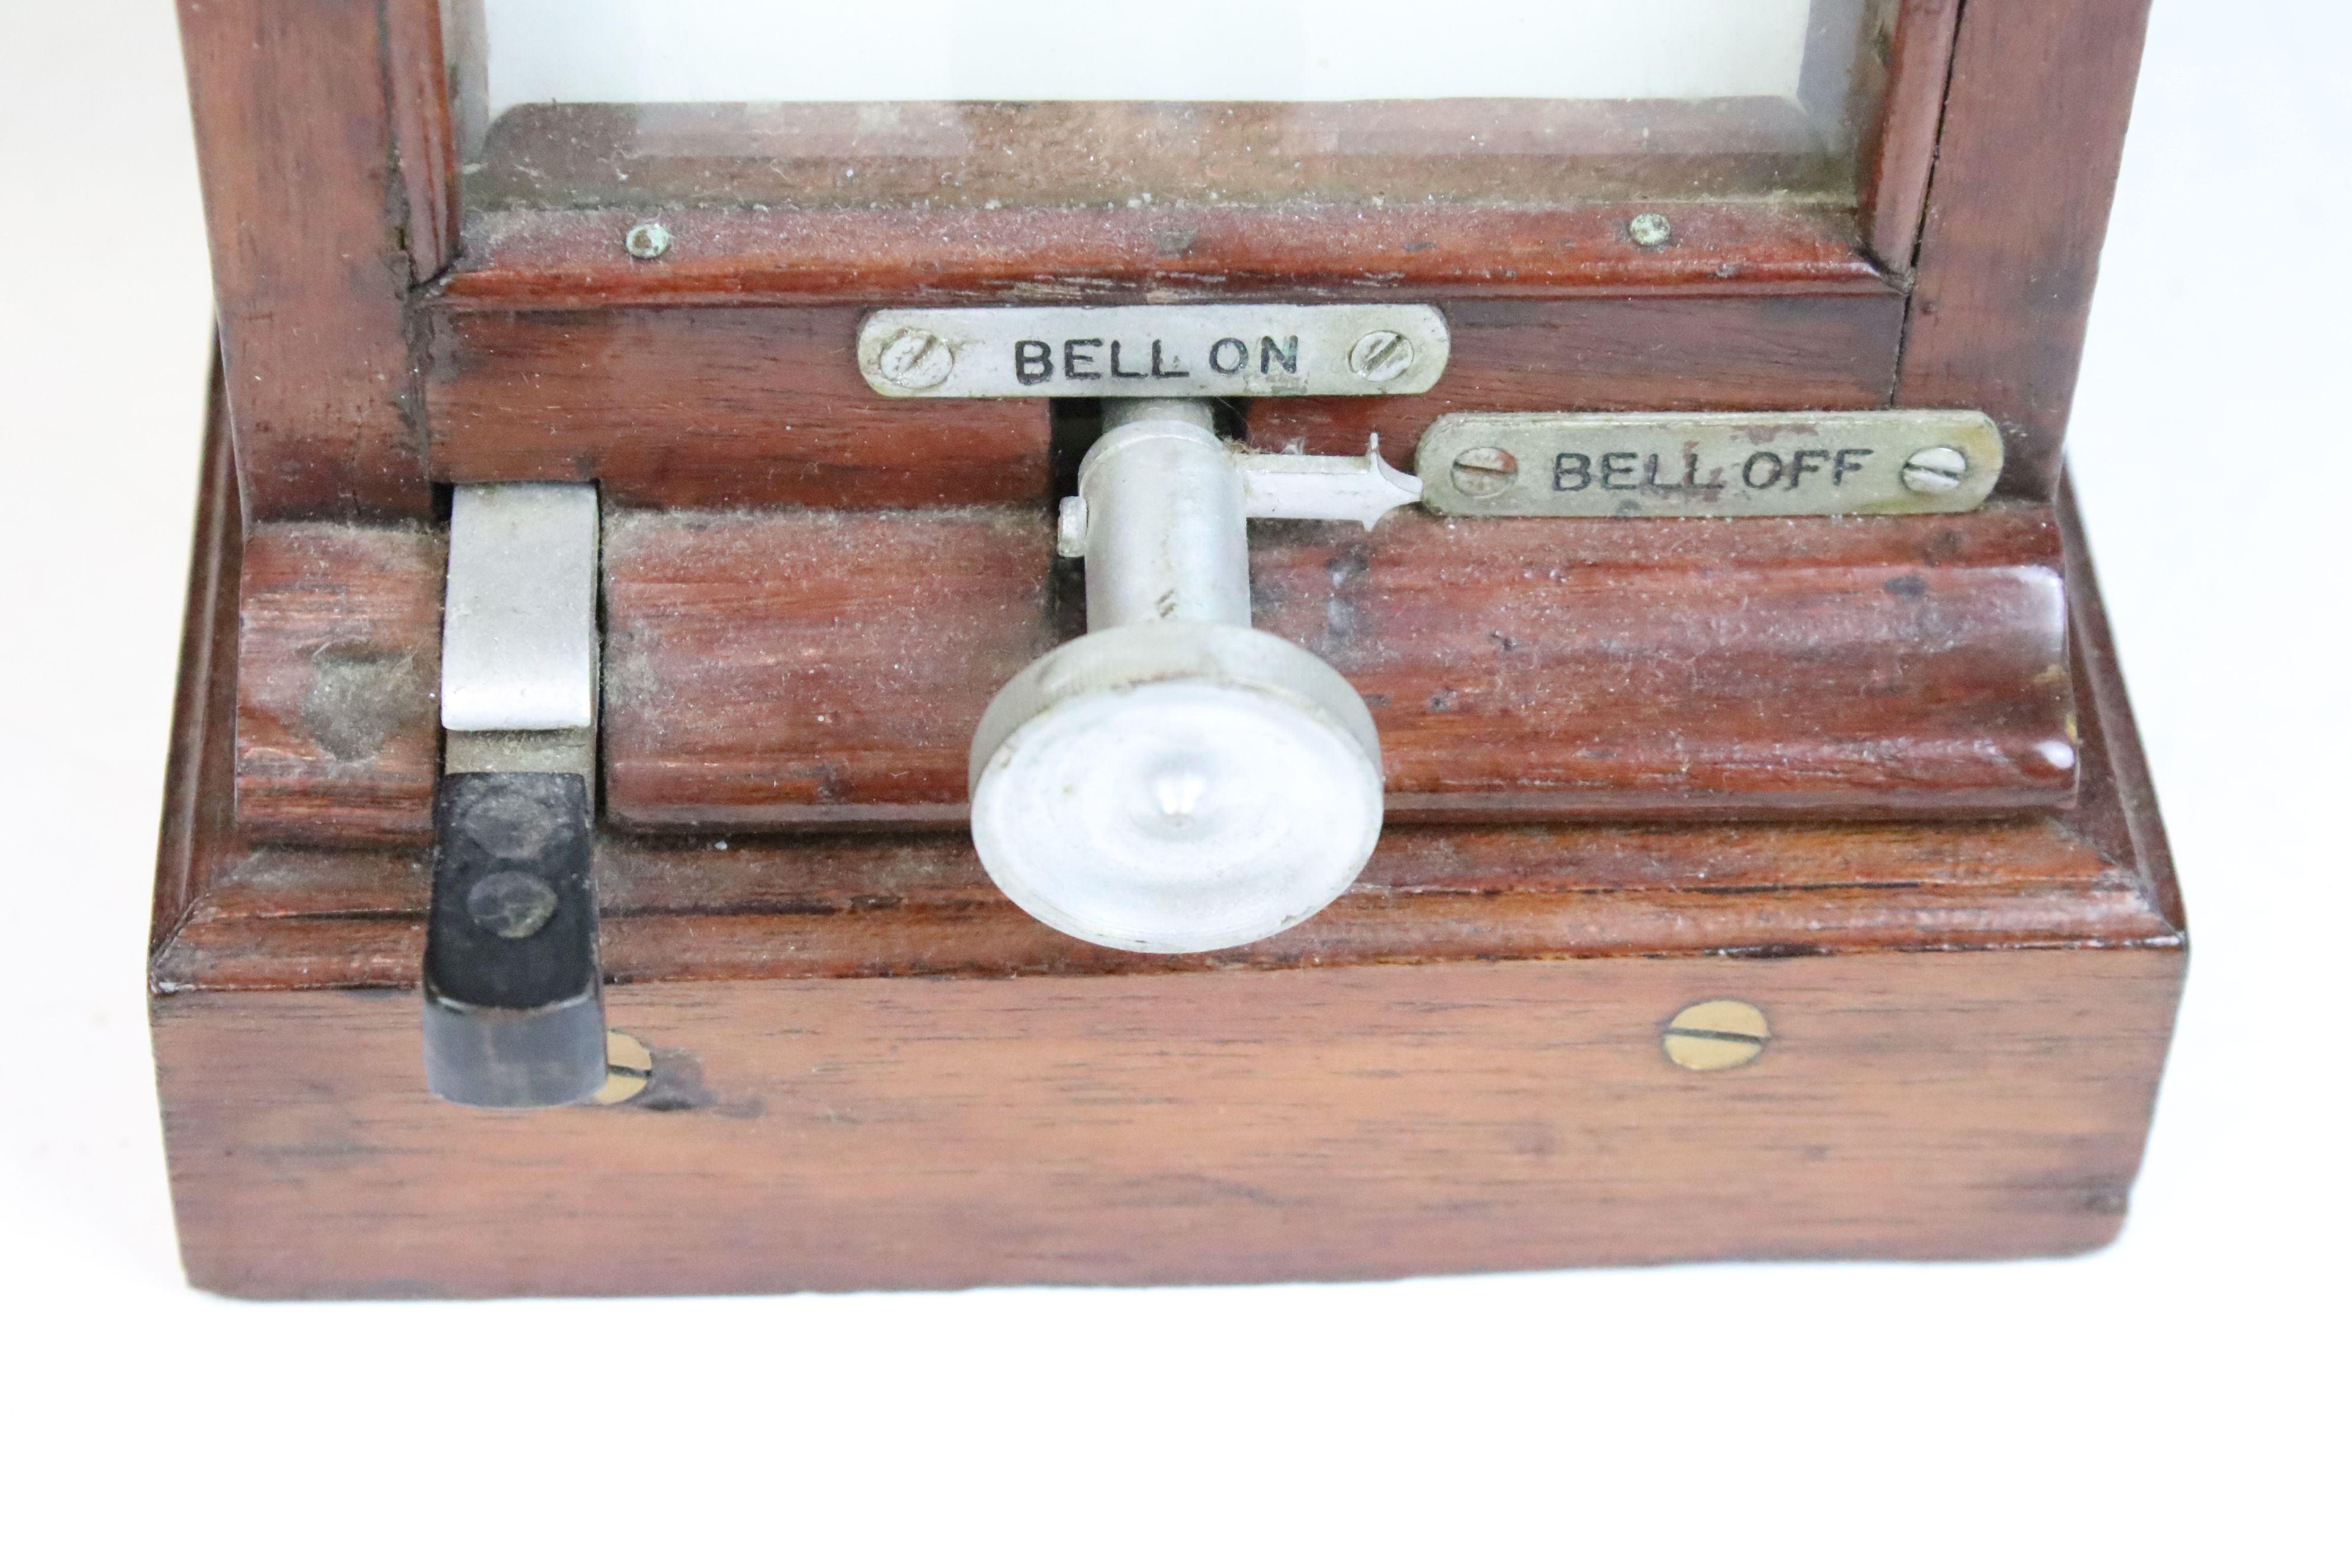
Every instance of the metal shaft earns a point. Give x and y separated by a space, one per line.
1166 537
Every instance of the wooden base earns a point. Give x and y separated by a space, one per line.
871 1071
1309 1124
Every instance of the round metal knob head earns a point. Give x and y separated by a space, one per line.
1175 787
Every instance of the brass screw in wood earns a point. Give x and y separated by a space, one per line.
646 241
628 1067
1707 1036
1650 230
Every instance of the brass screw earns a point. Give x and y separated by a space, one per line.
1707 1036
628 1067
646 242
1380 356
1483 472
1650 230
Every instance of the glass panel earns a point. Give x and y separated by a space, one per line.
971 103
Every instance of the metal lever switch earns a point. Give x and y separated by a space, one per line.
514 1008
514 1011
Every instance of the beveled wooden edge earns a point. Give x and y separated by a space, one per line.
2123 818
1901 152
690 407
204 701
2025 168
574 259
951 156
425 133
339 629
571 259
315 247
756 675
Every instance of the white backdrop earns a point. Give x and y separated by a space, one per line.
691 51
2178 1398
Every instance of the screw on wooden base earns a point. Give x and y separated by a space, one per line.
1650 230
628 1067
1707 1036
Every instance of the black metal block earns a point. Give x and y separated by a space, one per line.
514 1006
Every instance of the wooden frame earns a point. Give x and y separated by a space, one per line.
372 357
354 321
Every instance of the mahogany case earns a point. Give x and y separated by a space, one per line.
1879 783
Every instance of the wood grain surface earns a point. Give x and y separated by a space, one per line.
329 166
1299 1124
872 1072
2025 173
799 669
764 405
563 257
425 129
1174 155
339 654
784 670
1898 150
311 266
1768 352
686 407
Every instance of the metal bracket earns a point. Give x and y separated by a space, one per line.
518 646
1288 486
1291 485
1862 462
514 1003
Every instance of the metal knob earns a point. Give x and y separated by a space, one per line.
1173 781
